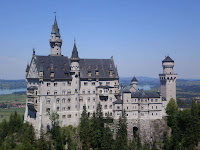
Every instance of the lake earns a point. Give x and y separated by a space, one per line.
10 91
144 87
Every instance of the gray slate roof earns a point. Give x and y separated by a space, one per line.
134 79
60 66
103 66
57 64
143 94
167 59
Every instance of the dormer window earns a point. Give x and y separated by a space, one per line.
89 73
96 72
111 73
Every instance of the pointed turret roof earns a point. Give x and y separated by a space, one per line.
55 28
134 79
74 52
168 59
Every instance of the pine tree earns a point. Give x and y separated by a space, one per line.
121 137
107 140
42 143
97 128
84 130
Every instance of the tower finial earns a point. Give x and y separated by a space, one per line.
74 40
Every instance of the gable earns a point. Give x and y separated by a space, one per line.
33 71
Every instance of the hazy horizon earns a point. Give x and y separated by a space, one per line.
137 34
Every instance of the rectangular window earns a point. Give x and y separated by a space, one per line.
69 83
69 116
107 83
100 83
48 109
55 84
48 84
93 83
63 116
85 83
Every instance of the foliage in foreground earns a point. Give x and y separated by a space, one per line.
185 127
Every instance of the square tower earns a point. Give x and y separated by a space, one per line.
168 81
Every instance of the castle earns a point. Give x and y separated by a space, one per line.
58 83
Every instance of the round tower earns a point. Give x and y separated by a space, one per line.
55 41
168 65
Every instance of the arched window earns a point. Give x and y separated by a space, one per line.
48 92
48 101
55 92
63 100
57 100
69 100
83 91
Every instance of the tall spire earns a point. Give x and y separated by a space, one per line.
55 28
75 52
55 41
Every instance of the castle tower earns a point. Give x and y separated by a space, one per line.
55 41
75 73
168 81
134 83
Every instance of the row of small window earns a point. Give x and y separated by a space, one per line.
156 107
134 107
156 100
105 107
88 91
105 91
48 101
163 78
59 108
93 83
56 84
63 92
133 114
142 114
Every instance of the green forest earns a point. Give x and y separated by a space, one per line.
12 84
182 133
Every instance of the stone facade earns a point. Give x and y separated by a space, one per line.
56 83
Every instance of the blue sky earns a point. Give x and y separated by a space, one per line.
138 34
